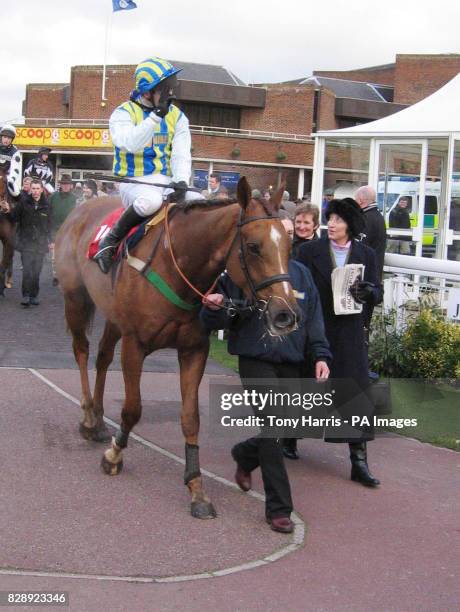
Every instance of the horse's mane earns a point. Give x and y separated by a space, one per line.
186 206
206 204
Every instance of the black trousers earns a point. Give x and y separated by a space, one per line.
32 263
266 453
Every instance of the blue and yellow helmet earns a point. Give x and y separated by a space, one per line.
151 72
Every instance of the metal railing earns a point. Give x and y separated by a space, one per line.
414 283
196 129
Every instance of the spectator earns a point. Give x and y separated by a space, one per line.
306 222
400 218
89 190
33 218
267 194
111 189
25 185
223 194
374 234
40 168
262 357
287 204
328 196
62 203
345 333
215 186
78 191
453 250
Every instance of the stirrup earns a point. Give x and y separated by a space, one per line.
104 258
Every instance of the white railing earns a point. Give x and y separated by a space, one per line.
413 283
197 129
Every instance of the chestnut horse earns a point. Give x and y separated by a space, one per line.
245 236
7 231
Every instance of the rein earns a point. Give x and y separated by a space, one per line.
271 280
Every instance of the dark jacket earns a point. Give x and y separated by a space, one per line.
375 234
399 218
61 205
248 336
345 333
297 243
33 223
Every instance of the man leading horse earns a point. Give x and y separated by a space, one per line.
152 145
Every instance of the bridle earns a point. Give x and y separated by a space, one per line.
242 254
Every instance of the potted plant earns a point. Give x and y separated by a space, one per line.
236 151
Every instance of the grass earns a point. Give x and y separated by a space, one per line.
218 352
435 406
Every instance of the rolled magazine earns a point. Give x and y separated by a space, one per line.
342 279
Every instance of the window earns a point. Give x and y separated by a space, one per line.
212 116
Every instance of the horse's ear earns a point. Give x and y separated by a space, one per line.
243 192
276 198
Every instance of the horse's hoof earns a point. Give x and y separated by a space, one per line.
202 510
96 434
112 469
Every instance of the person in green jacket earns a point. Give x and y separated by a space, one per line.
62 203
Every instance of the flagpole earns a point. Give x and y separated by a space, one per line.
108 31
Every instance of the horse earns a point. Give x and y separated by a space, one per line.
7 231
189 252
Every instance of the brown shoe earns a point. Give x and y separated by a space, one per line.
283 524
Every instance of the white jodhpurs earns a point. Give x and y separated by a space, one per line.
147 200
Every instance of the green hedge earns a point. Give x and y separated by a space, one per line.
428 347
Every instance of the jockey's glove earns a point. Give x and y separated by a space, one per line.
159 111
362 291
180 187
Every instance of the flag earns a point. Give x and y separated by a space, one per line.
123 5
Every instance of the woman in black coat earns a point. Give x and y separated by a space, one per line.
345 333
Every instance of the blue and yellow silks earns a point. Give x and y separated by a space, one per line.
154 158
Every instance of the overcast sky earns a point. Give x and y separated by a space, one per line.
259 40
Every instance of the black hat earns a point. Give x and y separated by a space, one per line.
350 211
44 150
66 179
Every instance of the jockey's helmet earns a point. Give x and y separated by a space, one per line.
151 72
8 130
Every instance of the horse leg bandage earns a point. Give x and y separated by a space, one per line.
121 438
192 462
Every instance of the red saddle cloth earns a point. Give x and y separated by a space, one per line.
102 229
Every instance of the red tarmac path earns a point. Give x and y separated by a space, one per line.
395 548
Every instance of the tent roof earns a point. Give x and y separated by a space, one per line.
436 115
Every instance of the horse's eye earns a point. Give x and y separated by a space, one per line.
253 248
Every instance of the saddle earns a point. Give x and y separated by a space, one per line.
134 236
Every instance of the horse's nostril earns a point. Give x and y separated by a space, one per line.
283 319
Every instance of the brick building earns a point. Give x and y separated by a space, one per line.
259 130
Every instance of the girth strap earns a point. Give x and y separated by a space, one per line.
158 282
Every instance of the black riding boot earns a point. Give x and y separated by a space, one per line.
108 245
359 468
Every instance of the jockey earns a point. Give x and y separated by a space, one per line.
152 145
9 154
40 168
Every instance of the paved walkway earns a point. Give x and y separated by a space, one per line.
110 541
